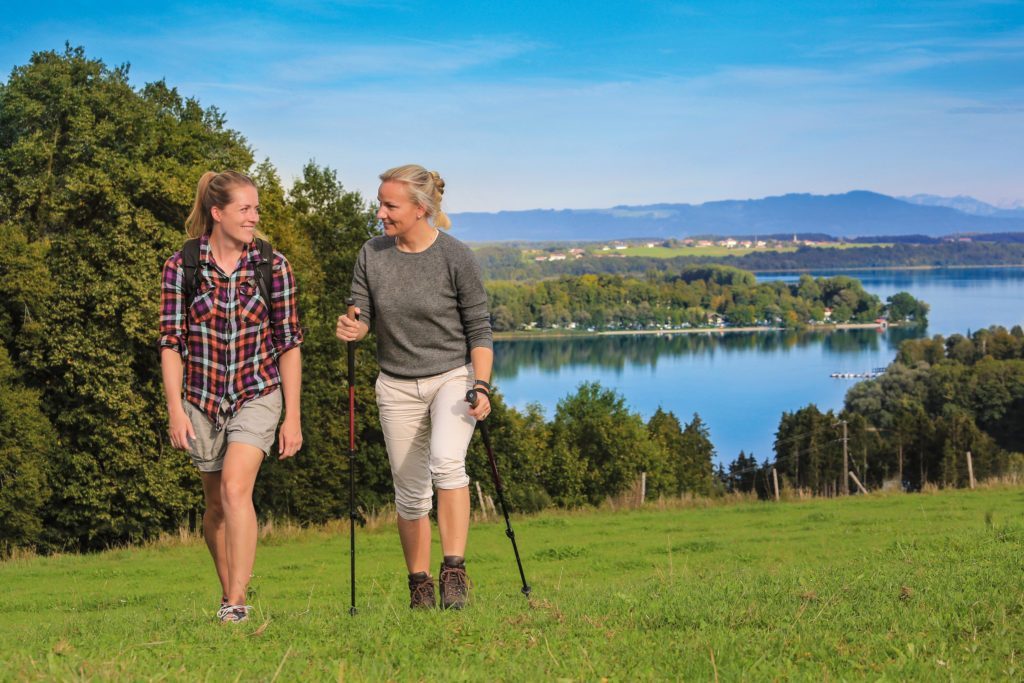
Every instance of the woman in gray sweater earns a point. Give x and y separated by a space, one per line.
422 292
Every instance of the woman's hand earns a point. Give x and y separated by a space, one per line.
289 439
483 406
349 330
180 430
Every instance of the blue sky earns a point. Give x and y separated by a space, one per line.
590 104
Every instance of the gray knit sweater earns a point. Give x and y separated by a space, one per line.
428 309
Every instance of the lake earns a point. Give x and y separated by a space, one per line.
741 382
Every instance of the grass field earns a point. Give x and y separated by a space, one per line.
666 252
923 587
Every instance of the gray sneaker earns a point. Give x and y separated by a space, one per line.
454 583
421 591
233 613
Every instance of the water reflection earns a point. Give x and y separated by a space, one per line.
617 352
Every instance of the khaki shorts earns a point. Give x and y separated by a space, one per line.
255 424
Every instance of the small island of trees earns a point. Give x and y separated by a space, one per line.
696 297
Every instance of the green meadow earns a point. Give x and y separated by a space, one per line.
893 587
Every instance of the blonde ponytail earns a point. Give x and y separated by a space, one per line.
214 189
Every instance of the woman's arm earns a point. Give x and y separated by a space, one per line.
179 426
289 440
482 359
173 350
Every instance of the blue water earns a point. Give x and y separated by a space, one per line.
740 383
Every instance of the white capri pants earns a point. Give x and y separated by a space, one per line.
427 429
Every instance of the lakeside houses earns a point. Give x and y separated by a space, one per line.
614 249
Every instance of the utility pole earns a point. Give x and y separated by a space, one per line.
844 488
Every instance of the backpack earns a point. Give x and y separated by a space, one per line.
190 263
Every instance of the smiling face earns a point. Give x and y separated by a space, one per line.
238 219
398 213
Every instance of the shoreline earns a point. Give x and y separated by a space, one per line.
512 336
861 268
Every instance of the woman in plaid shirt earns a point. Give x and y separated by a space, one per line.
229 360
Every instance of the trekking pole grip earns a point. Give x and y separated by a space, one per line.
351 303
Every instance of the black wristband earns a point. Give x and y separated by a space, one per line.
485 385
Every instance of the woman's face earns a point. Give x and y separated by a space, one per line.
238 219
397 213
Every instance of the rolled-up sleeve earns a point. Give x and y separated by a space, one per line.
286 331
476 321
173 330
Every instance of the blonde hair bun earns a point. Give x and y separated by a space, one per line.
425 189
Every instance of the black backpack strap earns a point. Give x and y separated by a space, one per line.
265 271
190 264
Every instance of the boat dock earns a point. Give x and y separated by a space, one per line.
872 374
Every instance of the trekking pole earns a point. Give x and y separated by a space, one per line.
485 433
351 347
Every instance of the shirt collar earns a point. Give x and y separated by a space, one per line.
253 256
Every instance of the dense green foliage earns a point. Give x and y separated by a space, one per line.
508 263
697 296
915 424
95 178
893 588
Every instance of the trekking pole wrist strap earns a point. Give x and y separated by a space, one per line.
481 385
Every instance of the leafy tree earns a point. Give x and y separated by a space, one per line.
321 227
96 176
611 443
903 306
27 446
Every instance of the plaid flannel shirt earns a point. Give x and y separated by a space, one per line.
228 344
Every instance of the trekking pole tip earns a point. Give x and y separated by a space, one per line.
526 591
352 611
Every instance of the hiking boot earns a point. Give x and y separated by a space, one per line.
421 591
233 613
454 583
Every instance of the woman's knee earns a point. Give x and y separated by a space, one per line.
235 493
450 475
214 511
411 509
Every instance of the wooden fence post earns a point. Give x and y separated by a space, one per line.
643 487
857 482
970 469
480 495
775 482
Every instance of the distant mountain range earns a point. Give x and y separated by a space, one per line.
854 214
965 204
